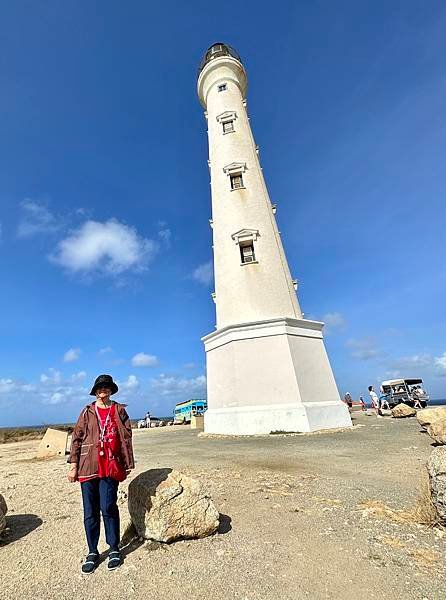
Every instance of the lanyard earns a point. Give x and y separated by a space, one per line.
102 428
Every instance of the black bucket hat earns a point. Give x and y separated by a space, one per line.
104 381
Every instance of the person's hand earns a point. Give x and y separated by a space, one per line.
72 473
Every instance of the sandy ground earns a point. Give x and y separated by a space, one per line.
304 516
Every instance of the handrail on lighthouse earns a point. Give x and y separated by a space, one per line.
215 51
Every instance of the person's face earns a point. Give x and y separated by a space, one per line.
103 394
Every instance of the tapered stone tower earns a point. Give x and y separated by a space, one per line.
267 368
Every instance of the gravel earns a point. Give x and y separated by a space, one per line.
316 516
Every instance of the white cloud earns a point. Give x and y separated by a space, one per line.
417 361
333 321
165 236
172 386
363 349
79 376
37 219
54 377
104 248
9 386
72 355
131 384
440 364
56 398
106 350
144 360
204 273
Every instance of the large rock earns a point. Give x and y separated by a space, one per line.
402 410
437 431
165 505
436 467
3 511
430 415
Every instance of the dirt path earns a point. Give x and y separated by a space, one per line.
319 516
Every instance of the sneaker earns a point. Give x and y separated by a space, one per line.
114 560
90 564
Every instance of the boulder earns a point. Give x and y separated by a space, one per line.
166 505
3 506
402 410
430 415
437 431
53 443
436 467
3 511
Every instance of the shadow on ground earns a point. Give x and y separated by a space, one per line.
18 526
225 524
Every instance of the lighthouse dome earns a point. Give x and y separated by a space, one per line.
217 50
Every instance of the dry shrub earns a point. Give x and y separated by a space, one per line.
378 509
425 557
424 511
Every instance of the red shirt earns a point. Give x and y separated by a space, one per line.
109 450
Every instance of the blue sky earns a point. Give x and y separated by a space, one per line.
104 190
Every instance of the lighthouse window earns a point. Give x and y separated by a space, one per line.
228 126
222 87
247 252
236 181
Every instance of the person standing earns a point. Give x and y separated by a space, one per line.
101 456
375 400
348 400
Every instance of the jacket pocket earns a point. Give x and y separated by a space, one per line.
85 449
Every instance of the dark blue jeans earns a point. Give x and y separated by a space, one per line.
99 496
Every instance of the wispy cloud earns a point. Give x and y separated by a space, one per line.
109 248
37 219
204 273
144 360
334 322
363 349
106 350
53 377
79 376
440 364
165 236
130 384
72 355
172 386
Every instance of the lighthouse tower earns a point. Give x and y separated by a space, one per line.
267 368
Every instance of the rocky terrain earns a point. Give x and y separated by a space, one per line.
327 515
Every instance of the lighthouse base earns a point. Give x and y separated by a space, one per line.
270 376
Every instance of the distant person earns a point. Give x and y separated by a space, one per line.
363 406
101 456
384 403
417 394
147 419
375 401
348 400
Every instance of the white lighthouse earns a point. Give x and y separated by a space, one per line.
267 368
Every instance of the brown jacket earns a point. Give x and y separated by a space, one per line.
85 440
